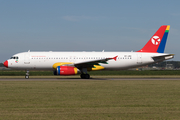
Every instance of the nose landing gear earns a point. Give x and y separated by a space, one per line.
27 74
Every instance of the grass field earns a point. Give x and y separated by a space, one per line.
90 99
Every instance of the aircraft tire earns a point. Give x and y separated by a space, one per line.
82 76
85 76
27 77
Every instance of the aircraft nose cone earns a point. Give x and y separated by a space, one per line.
6 63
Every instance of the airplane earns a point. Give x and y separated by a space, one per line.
72 63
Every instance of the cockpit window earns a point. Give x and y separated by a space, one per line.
14 57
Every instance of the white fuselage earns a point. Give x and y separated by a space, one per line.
45 60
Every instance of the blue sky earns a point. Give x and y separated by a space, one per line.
81 25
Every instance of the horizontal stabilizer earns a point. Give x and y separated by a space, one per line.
162 57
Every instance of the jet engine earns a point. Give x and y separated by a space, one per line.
66 70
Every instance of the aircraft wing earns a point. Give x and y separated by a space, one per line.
91 63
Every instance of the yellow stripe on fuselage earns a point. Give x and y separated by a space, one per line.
60 63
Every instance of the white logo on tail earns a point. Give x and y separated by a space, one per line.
155 40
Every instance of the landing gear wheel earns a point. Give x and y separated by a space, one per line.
27 74
82 76
85 76
27 77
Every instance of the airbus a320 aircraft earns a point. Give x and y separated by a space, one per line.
72 63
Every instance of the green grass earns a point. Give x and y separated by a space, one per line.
102 73
90 99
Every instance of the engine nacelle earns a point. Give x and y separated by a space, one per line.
66 70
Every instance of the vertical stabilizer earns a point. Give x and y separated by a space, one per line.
157 42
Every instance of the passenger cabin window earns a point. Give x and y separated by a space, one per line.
14 57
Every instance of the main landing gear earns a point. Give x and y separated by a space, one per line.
27 74
84 74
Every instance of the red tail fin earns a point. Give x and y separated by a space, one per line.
158 41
